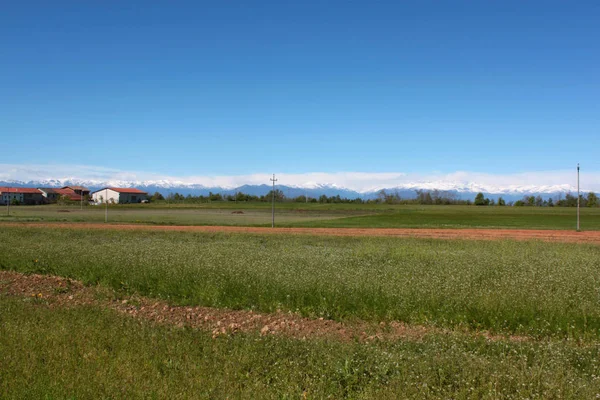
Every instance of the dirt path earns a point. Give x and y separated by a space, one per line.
53 291
470 234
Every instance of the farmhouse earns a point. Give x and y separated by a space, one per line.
20 195
119 195
80 190
52 195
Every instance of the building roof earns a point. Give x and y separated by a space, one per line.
5 189
66 191
48 190
84 189
70 193
123 190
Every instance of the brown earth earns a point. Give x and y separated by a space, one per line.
53 291
469 234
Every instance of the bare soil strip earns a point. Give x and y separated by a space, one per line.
592 237
53 291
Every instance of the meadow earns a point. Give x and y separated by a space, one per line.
245 215
91 353
316 215
540 301
530 288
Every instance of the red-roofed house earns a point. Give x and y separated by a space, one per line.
80 190
20 195
52 195
119 195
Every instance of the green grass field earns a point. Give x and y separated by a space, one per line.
90 353
246 215
546 292
531 288
318 215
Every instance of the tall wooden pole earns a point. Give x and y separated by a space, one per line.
273 202
578 197
106 206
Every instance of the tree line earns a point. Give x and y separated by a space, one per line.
422 197
383 197
589 200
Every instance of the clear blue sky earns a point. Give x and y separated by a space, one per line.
190 88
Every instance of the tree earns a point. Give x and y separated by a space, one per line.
428 198
480 200
239 196
501 201
569 201
215 196
279 196
592 199
176 197
157 196
539 201
550 202
424 197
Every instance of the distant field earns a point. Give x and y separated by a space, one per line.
469 217
318 215
222 214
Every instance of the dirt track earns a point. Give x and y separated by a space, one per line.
54 291
470 234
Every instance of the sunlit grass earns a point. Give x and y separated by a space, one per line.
516 287
90 353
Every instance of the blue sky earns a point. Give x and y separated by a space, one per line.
235 88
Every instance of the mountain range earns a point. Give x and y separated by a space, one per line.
462 190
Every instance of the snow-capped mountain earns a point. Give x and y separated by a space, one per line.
462 190
473 187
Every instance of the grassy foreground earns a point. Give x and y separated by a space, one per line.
532 288
90 353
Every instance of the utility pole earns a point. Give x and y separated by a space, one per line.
8 202
106 205
577 197
273 202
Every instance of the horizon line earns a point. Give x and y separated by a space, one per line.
361 182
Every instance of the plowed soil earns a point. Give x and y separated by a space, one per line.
53 291
468 234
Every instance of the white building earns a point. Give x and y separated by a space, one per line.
119 195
